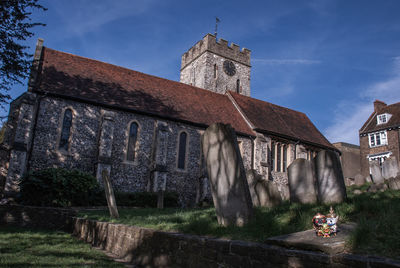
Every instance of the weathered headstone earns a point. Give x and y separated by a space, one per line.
302 185
226 173
112 205
252 178
349 181
390 168
359 180
267 193
376 171
381 187
284 190
329 174
394 183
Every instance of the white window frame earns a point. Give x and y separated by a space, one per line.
383 118
377 139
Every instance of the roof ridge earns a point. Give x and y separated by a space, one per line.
276 105
142 73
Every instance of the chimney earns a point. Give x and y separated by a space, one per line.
378 105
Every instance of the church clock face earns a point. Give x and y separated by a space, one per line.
229 68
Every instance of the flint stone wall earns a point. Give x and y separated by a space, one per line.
126 176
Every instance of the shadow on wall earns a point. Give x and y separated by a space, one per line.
85 89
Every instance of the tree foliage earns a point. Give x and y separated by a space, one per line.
15 26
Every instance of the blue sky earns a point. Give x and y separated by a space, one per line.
327 58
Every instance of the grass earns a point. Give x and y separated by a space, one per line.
36 248
377 216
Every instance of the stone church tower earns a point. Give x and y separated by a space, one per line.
216 66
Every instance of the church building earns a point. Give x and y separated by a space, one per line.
80 113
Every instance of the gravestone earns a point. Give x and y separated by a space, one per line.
394 183
375 170
112 205
302 185
252 178
284 190
229 188
359 180
329 174
267 193
390 168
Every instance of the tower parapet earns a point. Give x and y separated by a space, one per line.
220 47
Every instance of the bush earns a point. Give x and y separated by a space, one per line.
58 187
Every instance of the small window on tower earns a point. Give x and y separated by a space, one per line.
238 86
215 70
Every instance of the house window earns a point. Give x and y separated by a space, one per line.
383 118
238 86
133 131
377 139
182 150
66 130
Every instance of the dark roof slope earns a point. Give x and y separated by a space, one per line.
371 124
280 121
84 79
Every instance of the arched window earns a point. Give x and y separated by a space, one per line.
278 157
238 86
133 131
66 130
182 150
273 156
215 70
284 158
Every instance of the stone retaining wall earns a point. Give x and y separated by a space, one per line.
150 248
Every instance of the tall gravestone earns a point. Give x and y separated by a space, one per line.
376 172
302 185
390 168
330 180
112 205
229 188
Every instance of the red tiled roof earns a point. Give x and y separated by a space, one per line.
371 124
68 75
280 121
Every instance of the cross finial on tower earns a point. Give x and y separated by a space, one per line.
216 26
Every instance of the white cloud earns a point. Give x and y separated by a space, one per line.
286 61
350 116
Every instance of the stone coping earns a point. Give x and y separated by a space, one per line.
308 240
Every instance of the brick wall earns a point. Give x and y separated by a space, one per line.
393 146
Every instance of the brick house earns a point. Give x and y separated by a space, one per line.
380 135
145 130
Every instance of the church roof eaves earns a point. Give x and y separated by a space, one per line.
281 121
